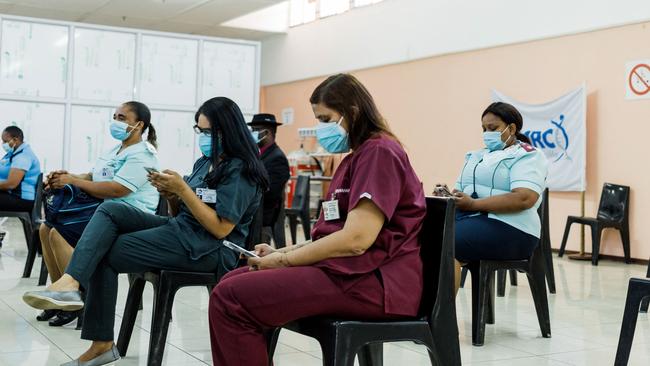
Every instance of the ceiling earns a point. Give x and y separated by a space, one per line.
183 16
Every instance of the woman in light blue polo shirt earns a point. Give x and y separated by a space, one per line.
19 171
498 191
118 175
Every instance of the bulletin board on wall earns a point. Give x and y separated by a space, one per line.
61 81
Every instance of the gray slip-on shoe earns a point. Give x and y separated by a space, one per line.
105 358
60 300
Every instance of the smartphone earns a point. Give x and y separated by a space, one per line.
240 250
444 191
151 170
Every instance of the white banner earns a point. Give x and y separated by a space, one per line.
558 128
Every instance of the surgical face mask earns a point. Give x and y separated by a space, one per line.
492 140
205 145
6 147
333 137
119 130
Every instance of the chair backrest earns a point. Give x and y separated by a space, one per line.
438 302
163 207
301 195
37 210
255 229
614 203
542 211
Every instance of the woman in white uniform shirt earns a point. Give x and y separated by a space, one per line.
498 191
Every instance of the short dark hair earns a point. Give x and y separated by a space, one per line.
15 132
509 115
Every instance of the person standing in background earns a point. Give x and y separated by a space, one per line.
265 127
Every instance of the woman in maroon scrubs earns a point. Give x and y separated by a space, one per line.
364 260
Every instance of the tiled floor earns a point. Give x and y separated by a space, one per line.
585 319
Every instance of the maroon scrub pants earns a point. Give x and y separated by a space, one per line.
246 304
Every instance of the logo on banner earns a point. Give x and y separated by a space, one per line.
554 141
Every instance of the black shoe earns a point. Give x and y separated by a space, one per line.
47 315
63 318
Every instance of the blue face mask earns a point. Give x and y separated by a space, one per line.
7 148
492 140
205 145
119 130
333 137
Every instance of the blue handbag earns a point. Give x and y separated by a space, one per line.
69 205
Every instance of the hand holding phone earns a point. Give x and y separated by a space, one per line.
151 170
443 191
240 250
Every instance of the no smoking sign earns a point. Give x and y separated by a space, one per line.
638 80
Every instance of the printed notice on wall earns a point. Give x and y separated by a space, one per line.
637 79
287 116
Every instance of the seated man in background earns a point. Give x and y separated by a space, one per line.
19 170
264 128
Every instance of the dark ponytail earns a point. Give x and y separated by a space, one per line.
143 114
509 115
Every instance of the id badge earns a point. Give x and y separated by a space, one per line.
107 173
331 210
207 195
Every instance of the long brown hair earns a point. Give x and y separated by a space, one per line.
346 95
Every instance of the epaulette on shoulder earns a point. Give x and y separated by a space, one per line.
527 147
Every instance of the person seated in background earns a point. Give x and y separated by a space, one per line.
118 175
364 261
217 201
19 171
498 192
264 128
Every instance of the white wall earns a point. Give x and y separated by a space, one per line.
397 31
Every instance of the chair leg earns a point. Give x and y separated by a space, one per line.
160 319
42 278
489 306
463 276
480 288
371 355
293 228
537 281
635 293
548 263
272 342
565 237
134 298
31 249
501 282
513 277
625 238
305 220
595 244
644 305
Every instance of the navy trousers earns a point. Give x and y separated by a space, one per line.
480 237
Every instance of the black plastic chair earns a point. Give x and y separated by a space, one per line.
31 222
165 284
276 231
637 291
646 301
547 253
300 209
483 282
613 212
435 327
545 242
